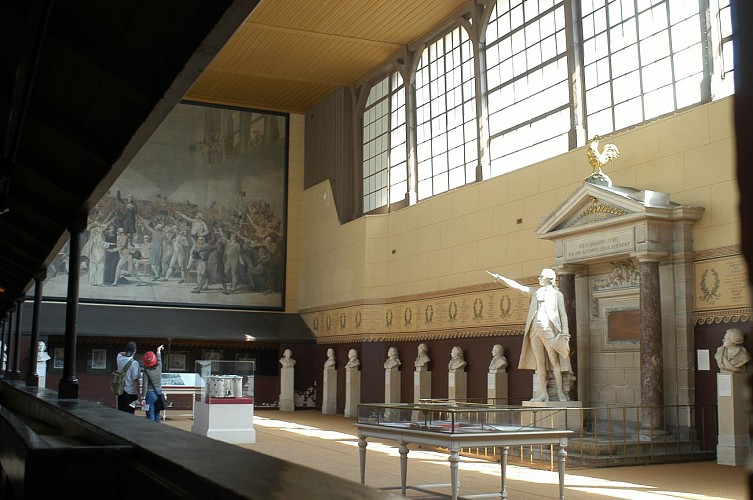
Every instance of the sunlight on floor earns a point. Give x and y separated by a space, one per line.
595 486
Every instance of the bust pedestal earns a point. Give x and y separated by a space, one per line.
457 385
329 391
352 391
421 384
287 399
496 388
391 386
42 373
733 447
550 414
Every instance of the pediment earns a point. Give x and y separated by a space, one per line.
593 204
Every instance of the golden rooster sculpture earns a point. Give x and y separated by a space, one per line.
598 159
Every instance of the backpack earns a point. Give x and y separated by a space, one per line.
117 379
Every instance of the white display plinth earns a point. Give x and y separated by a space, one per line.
392 386
421 385
225 419
329 392
42 373
287 398
352 391
457 385
733 447
496 388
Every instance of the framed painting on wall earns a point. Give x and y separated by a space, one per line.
98 359
176 361
58 358
197 218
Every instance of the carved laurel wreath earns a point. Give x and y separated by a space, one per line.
429 314
343 320
478 309
452 311
388 317
408 316
328 322
505 305
712 295
316 322
358 319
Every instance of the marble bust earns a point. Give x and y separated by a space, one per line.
42 354
423 359
353 361
393 361
457 360
287 360
330 363
732 356
499 361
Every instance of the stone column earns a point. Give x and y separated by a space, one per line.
32 377
68 386
8 374
17 343
652 362
566 285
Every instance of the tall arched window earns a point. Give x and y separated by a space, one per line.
446 130
528 83
384 141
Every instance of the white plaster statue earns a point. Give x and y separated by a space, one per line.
457 361
330 363
287 360
423 358
393 361
732 356
499 361
5 357
42 352
546 341
353 361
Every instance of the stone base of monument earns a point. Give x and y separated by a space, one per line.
225 419
553 414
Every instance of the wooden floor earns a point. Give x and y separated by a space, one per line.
329 443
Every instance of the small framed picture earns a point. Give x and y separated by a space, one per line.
212 355
176 361
98 359
58 358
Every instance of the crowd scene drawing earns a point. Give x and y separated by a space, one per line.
177 247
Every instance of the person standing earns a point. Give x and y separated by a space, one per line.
546 338
131 382
152 384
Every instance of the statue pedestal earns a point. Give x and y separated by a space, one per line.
421 385
457 385
329 392
42 373
553 415
352 391
287 398
733 447
392 386
496 388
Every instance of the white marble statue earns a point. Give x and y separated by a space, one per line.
287 360
330 363
457 360
732 356
353 361
499 361
392 363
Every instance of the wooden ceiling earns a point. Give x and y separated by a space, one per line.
288 55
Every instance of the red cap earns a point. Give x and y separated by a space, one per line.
150 359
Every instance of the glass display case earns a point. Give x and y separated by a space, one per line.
450 417
224 400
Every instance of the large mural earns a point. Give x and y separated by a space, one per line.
196 219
